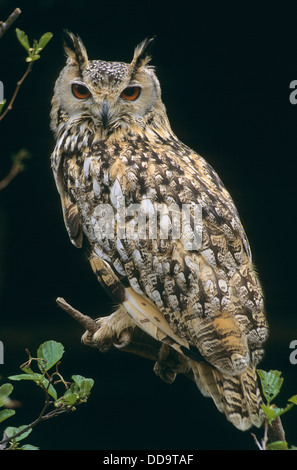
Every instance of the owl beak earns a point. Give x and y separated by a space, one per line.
105 114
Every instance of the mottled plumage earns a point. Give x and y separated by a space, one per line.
115 149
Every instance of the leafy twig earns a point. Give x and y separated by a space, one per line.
76 393
274 434
33 55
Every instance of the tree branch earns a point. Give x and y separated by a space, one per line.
14 171
87 322
18 86
4 25
276 431
16 167
141 344
145 346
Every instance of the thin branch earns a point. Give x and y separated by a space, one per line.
42 416
18 86
258 444
14 171
29 426
16 167
141 343
4 25
87 322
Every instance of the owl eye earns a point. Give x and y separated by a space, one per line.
131 93
80 91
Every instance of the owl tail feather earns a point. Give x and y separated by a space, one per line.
237 396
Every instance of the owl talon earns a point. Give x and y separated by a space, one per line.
165 373
124 338
168 365
113 330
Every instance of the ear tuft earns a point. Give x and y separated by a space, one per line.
141 57
75 50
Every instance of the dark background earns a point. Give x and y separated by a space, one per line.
225 71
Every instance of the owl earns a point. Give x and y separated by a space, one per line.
161 231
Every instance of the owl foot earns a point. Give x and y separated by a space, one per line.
170 364
113 330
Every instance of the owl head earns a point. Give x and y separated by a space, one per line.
112 94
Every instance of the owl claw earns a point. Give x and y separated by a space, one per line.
165 373
169 364
124 338
113 330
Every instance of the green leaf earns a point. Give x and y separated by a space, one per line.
273 412
52 352
28 370
45 38
270 413
2 103
23 38
5 391
52 391
39 379
12 431
28 376
71 397
85 385
277 445
271 383
28 447
293 399
32 57
4 414
78 391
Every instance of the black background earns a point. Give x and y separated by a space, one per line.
225 71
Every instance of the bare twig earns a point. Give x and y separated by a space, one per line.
18 86
262 445
141 343
14 171
4 25
87 322
16 167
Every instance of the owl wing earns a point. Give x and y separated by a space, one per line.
71 215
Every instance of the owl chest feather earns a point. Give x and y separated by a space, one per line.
110 182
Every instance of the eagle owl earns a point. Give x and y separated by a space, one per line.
163 234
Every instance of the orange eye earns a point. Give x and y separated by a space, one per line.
80 91
131 93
